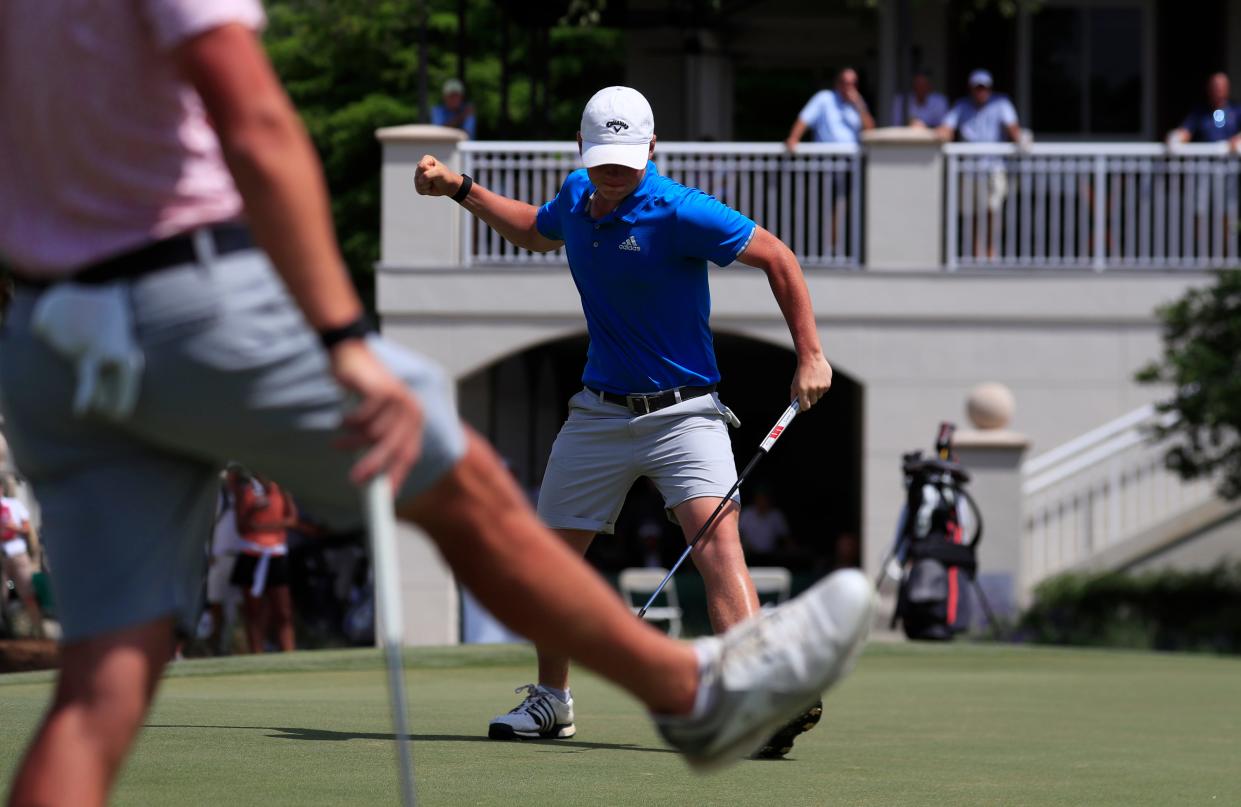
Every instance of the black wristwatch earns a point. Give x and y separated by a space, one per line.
464 190
360 328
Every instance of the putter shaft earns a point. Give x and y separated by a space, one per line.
763 448
381 521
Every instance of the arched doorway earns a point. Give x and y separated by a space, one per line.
813 474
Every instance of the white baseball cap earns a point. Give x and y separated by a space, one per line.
980 78
617 128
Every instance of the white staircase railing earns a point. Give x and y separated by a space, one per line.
1097 491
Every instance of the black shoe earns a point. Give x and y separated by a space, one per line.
782 741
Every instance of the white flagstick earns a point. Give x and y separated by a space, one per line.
381 521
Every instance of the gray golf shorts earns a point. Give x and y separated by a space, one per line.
603 448
232 373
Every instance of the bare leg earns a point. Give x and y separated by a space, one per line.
496 545
731 597
554 667
105 686
256 622
280 611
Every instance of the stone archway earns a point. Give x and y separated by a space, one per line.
814 474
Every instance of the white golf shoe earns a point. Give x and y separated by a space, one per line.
770 668
540 716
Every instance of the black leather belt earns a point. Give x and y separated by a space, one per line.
153 257
644 404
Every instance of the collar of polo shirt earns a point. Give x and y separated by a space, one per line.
627 210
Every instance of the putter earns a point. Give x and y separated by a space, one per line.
763 448
381 523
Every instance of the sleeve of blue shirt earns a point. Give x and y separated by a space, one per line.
548 221
1190 124
1008 112
953 118
709 229
813 108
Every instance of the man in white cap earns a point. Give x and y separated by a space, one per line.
985 117
454 111
638 246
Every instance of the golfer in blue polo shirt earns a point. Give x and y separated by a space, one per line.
638 246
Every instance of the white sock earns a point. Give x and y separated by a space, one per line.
705 698
562 694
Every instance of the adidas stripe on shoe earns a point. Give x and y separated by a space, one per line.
540 716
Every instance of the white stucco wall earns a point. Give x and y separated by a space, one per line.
1066 344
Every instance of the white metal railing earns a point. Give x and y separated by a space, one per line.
1099 206
811 200
1097 491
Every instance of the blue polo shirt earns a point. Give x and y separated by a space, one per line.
641 271
1213 125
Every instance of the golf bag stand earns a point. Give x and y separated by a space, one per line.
936 545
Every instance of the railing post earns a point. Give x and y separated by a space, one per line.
993 456
1100 212
417 231
904 194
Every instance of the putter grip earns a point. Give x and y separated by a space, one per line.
381 522
778 429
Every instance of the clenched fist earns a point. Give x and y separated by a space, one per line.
433 178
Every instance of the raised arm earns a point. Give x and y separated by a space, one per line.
278 174
814 375
513 220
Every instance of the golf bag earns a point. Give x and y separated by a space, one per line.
936 545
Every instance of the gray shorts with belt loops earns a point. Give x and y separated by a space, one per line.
603 448
232 372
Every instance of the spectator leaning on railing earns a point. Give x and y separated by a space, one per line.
1216 121
926 108
985 117
454 111
838 115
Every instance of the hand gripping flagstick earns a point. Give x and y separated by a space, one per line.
763 448
381 523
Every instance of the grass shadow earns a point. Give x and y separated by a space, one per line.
326 735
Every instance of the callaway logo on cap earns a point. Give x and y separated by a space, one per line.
617 127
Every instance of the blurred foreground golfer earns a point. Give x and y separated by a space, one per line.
142 142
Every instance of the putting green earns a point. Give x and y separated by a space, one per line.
915 725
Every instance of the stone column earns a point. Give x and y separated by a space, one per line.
420 232
417 231
904 199
993 456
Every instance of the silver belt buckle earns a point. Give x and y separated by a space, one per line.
646 404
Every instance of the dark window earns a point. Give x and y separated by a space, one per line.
1086 70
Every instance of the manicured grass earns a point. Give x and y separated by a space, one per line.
915 725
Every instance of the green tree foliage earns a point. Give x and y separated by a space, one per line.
1202 362
352 66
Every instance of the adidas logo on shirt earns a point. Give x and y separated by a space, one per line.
630 244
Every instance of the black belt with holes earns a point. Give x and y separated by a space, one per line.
644 404
175 251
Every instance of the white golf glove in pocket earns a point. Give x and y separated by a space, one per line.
92 327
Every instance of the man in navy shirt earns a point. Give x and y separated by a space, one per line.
1219 120
638 245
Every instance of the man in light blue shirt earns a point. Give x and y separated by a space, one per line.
985 117
982 116
838 115
455 112
926 107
